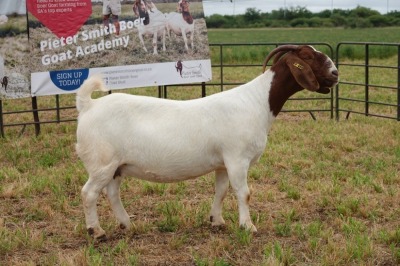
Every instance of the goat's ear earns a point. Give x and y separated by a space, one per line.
302 72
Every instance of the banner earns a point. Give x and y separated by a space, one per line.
131 43
14 50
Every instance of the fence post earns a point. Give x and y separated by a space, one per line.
398 83
1 119
36 115
160 92
366 80
337 86
58 108
221 61
165 92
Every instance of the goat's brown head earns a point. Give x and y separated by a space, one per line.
311 69
184 5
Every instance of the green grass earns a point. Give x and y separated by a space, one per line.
328 35
331 36
324 192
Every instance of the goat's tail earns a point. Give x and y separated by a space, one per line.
83 96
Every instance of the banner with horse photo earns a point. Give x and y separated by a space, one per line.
130 43
14 50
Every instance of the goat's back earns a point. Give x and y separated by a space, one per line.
155 134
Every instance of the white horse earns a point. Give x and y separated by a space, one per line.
182 23
152 22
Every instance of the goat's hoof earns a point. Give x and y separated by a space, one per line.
98 234
102 238
249 227
217 222
123 226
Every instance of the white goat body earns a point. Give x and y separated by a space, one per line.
171 140
167 141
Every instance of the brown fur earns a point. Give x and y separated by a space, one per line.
299 67
4 83
185 12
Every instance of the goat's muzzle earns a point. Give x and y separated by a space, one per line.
329 82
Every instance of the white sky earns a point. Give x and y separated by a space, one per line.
226 7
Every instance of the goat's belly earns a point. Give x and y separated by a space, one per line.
163 176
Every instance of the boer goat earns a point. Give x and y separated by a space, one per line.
181 23
153 23
164 140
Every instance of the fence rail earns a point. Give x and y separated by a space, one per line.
341 100
367 84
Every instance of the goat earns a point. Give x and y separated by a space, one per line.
153 22
164 140
3 19
4 83
181 23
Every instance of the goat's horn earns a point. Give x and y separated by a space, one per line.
279 50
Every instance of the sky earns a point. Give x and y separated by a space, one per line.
226 7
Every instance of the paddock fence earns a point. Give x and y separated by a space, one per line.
373 91
376 90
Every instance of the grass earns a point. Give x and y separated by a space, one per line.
331 36
324 192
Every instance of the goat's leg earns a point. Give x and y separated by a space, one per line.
237 173
155 42
142 42
191 38
221 188
90 193
163 40
114 198
184 38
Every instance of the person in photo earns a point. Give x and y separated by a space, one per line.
112 8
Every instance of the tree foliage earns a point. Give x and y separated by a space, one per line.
359 17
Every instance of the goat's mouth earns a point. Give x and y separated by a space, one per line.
324 90
325 87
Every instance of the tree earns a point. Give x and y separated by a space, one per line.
325 13
363 12
216 21
298 12
252 15
379 20
338 20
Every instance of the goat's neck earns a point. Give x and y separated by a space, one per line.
187 17
283 86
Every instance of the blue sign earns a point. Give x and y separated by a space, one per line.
69 80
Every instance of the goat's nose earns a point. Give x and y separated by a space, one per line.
335 73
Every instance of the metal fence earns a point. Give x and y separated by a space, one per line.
373 95
223 64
